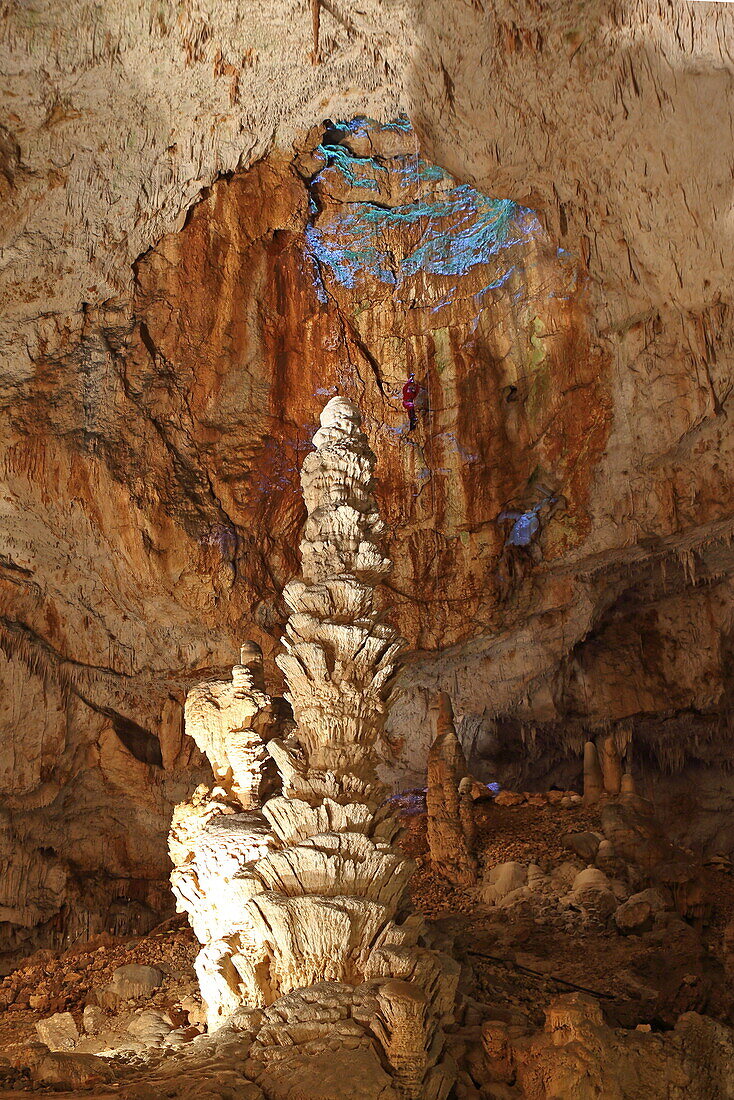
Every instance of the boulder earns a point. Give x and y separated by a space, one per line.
58 1032
133 981
637 914
537 879
501 880
64 1070
94 1019
514 897
592 892
591 878
634 916
562 876
150 1027
332 1075
584 845
657 898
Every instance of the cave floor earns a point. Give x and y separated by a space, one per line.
516 960
523 959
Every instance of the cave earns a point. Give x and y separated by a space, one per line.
366 550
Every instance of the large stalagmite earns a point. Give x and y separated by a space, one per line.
302 909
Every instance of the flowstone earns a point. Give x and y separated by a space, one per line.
309 941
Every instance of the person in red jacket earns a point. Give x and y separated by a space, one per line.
410 392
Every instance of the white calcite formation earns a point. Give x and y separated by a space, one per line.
308 937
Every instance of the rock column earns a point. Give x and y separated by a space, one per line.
450 824
327 960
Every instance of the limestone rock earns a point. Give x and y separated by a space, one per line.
300 903
58 1032
502 880
584 845
611 764
166 466
591 890
573 1057
230 722
634 916
64 1070
94 1019
638 912
133 981
638 836
333 1075
593 779
150 1027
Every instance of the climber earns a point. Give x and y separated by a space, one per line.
410 392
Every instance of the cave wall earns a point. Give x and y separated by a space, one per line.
164 343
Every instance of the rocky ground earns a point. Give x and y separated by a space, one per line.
521 957
525 952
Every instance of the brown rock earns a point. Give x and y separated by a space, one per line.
510 798
634 916
584 845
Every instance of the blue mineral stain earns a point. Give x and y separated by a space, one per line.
349 165
456 230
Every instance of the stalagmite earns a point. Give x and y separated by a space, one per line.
628 784
449 844
610 762
302 907
230 722
466 812
593 780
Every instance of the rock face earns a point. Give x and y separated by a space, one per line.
171 239
302 909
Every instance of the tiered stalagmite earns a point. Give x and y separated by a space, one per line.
309 939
